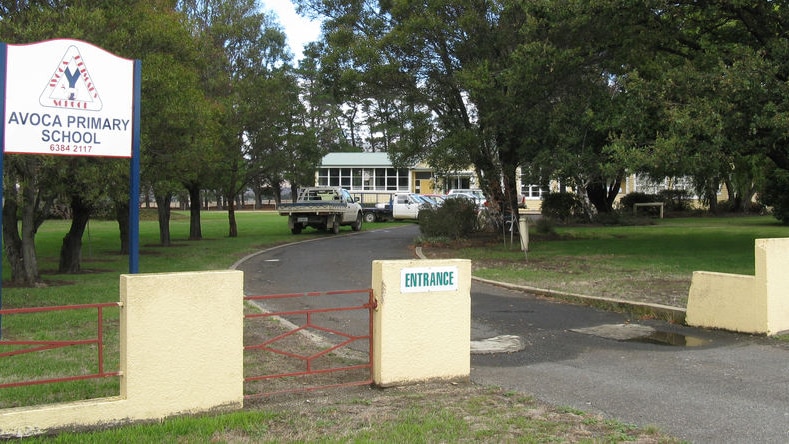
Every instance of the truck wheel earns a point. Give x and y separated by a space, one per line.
358 224
296 229
369 217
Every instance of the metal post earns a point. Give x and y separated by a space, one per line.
134 179
3 66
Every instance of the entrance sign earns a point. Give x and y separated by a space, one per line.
427 279
68 97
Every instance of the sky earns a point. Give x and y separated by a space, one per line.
299 29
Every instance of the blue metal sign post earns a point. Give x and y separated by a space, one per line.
134 176
68 97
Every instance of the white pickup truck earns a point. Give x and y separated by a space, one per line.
401 206
322 208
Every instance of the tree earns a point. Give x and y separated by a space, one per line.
242 45
282 144
178 131
495 85
718 72
83 184
26 205
403 59
25 208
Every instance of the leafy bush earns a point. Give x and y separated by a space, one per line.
612 218
727 206
776 194
455 219
545 225
562 207
675 200
628 200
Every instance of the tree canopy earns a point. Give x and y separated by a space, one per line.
576 91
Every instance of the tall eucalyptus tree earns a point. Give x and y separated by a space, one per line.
240 46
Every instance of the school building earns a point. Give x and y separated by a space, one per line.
370 174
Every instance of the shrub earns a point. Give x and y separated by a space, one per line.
776 194
727 206
675 200
455 219
612 218
562 206
628 200
544 225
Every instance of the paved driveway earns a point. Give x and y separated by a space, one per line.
718 387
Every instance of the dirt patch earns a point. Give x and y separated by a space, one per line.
476 413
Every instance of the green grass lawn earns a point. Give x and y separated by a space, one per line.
644 263
583 255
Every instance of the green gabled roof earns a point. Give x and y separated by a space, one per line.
356 160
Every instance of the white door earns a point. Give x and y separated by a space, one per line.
405 207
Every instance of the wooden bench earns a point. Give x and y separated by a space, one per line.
648 204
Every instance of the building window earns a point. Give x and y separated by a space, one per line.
534 191
357 179
530 179
459 182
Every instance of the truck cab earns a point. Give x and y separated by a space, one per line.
406 206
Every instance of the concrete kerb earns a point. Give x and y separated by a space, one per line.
664 312
659 311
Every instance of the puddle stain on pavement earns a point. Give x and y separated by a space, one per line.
642 333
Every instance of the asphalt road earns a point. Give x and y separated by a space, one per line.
699 385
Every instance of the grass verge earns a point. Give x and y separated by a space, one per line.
648 263
428 413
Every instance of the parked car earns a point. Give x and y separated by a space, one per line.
473 193
430 200
437 198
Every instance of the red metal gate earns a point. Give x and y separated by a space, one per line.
310 342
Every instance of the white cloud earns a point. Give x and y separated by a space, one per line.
299 30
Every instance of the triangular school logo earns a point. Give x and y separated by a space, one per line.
70 85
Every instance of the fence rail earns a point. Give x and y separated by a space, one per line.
21 347
309 357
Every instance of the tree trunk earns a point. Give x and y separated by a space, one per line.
509 168
277 193
258 198
712 198
163 211
21 247
602 196
29 229
231 216
195 231
12 242
122 216
71 248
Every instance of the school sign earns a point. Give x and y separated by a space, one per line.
67 97
70 98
